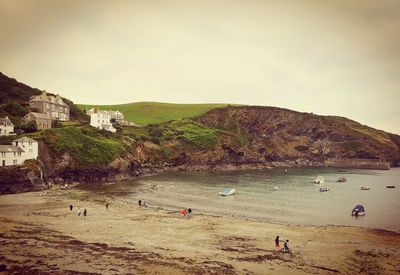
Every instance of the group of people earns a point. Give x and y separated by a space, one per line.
78 211
186 213
285 245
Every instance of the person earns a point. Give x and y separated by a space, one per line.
189 213
70 207
79 211
85 212
183 212
140 202
286 246
277 245
144 204
107 205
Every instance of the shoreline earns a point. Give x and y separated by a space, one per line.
42 235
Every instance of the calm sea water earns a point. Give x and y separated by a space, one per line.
298 200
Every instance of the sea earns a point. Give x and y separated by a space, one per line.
297 201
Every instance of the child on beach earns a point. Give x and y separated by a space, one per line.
107 205
70 207
286 246
183 212
277 245
79 212
84 213
140 202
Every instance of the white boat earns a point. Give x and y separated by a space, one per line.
319 180
365 188
275 188
342 179
324 189
227 192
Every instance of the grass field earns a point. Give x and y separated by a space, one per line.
144 113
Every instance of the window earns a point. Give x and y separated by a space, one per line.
14 161
15 153
3 154
4 163
30 150
19 153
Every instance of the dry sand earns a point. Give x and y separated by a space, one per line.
40 235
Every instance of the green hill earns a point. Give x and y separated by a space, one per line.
144 113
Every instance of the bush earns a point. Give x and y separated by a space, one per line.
14 109
29 127
56 124
155 140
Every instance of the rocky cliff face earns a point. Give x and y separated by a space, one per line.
280 134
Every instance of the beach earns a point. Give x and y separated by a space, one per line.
40 235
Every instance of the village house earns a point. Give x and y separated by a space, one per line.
43 121
117 115
102 120
52 106
20 150
6 127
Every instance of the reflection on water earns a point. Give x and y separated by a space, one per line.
297 201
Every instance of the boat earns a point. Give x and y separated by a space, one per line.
275 188
319 180
342 179
227 192
390 186
365 188
342 171
359 210
324 189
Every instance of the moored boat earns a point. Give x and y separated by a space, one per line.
324 189
319 180
359 210
390 186
342 179
365 188
227 192
275 188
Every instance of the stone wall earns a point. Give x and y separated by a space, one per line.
358 163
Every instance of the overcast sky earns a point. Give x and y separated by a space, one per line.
338 57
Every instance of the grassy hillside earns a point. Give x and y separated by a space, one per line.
144 113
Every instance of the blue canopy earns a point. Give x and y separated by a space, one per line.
359 208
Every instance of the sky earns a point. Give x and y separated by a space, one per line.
338 57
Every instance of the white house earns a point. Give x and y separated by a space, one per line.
20 150
102 120
6 126
117 115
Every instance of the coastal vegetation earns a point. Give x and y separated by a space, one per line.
144 113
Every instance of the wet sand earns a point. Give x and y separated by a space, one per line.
40 235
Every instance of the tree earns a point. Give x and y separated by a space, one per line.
29 127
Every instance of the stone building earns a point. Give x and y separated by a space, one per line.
43 121
50 105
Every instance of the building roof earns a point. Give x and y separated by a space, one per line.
6 120
10 148
39 115
25 139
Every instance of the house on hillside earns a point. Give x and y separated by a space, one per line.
50 105
6 126
20 150
117 115
43 121
102 120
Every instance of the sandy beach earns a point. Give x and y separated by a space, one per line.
40 235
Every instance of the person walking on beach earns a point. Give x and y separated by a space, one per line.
107 205
183 212
140 202
286 246
144 204
84 213
70 207
79 212
189 213
277 245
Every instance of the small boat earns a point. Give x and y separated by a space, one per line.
359 210
342 171
324 189
342 179
227 192
275 188
365 188
390 186
319 180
